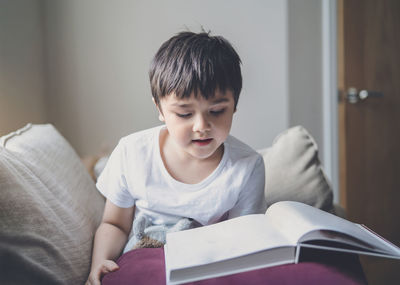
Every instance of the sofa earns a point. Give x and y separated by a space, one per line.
50 207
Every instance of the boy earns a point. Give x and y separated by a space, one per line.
190 167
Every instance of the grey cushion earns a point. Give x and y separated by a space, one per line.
293 170
49 209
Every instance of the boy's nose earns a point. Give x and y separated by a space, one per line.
201 124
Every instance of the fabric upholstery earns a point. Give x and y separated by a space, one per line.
49 209
293 171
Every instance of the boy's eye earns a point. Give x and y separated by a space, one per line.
217 112
187 115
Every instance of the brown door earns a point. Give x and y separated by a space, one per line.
369 128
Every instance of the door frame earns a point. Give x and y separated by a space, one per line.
330 94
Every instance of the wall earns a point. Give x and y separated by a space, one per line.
305 67
22 81
94 86
98 53
82 65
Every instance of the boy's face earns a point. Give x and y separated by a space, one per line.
197 126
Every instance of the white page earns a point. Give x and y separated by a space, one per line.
295 219
225 240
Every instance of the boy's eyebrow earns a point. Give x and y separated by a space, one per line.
183 105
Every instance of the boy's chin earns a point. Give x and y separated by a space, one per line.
204 152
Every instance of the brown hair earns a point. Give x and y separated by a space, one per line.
195 63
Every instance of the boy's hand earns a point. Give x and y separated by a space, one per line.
100 270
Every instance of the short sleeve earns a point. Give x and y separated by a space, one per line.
251 198
112 182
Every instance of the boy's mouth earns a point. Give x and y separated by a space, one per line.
202 142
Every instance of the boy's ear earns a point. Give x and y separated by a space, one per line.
160 114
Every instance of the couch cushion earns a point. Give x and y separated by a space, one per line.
49 209
293 170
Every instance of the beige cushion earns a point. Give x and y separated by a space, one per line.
49 209
293 170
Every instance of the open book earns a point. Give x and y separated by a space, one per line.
257 241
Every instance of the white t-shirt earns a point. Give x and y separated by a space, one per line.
135 175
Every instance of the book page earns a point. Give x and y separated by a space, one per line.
295 220
324 236
225 240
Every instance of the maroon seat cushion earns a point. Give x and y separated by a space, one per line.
146 266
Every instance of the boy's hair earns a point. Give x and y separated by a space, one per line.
198 63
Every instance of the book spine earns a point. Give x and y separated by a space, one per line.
297 257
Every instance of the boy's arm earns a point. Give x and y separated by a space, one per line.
111 237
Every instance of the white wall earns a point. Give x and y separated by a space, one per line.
95 86
22 83
99 53
312 77
305 67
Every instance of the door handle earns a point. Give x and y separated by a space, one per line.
354 96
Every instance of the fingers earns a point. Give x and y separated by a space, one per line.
96 275
109 266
